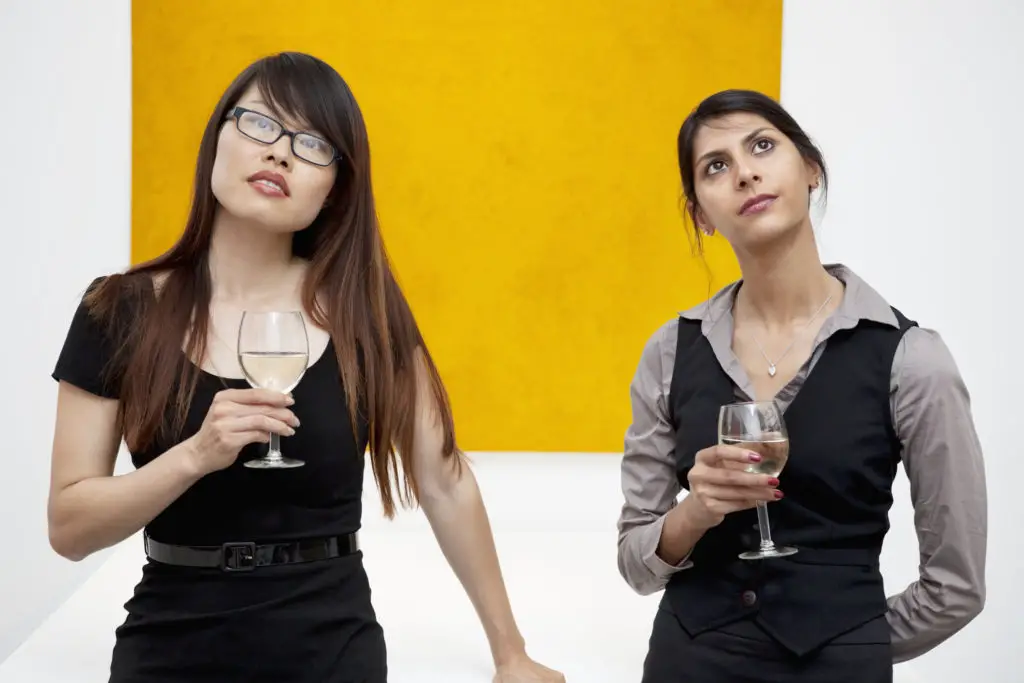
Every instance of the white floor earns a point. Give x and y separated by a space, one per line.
554 522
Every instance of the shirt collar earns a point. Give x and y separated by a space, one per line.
860 302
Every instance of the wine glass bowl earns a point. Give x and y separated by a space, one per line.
273 351
758 426
774 452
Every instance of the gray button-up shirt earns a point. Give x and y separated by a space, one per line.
941 456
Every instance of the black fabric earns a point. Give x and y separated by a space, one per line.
736 656
87 357
311 622
837 485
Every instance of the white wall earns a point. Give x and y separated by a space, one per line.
916 105
65 89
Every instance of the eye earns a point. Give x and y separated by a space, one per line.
312 143
716 166
763 145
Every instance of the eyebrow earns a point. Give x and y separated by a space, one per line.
747 139
308 130
262 105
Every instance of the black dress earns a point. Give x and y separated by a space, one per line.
310 622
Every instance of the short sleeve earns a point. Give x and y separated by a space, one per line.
86 359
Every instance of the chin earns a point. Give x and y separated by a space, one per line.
768 232
277 218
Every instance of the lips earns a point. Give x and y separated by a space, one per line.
757 204
270 183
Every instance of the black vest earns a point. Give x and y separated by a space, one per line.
837 485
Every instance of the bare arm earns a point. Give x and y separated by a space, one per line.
455 510
90 509
680 532
943 460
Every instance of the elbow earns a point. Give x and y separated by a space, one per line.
974 605
964 607
640 582
646 588
63 544
62 537
968 601
449 481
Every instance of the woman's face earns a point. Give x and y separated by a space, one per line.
266 184
751 183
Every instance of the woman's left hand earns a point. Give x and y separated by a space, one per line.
525 670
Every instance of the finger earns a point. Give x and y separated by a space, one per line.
727 507
736 478
252 437
256 397
739 493
246 410
263 423
723 453
737 506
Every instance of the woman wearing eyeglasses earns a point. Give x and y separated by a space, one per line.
861 387
252 574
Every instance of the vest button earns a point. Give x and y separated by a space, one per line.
749 598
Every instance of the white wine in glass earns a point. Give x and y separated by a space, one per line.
273 350
758 426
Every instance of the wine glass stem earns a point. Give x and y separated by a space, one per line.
274 452
762 523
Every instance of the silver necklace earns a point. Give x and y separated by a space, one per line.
772 365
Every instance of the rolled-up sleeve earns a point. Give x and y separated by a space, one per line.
649 483
943 461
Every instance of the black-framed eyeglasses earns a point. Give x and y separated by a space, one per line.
266 130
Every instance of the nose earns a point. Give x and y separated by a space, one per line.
746 174
280 152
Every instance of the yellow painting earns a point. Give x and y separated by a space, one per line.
524 164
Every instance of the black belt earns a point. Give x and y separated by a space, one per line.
246 556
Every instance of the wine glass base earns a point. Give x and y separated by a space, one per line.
273 464
778 551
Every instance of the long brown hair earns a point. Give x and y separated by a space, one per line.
375 335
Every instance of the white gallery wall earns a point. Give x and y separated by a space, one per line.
65 108
916 104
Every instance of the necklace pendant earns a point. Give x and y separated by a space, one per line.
771 369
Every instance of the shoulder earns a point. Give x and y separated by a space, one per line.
661 345
924 372
924 355
117 302
663 337
86 357
654 371
109 311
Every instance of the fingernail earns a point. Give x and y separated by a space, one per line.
773 482
778 494
289 400
754 457
297 423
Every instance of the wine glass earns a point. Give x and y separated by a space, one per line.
273 350
758 426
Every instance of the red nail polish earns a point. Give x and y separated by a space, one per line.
778 494
773 482
754 457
